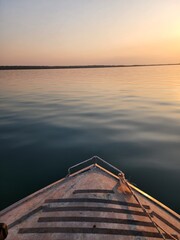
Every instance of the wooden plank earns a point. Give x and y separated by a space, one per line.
94 209
165 221
24 217
93 191
93 230
95 200
96 219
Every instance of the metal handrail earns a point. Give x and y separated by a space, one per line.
94 160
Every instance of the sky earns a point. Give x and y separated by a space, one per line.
85 32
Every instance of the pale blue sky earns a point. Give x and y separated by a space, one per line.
66 32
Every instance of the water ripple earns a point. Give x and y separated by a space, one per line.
50 120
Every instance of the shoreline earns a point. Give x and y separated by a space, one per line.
22 67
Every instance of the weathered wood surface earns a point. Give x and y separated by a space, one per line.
86 206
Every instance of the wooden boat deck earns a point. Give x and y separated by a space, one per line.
88 205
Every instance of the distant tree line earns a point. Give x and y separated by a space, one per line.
18 67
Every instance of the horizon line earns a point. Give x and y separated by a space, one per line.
26 67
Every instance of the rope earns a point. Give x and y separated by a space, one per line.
159 228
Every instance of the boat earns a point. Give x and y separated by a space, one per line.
94 201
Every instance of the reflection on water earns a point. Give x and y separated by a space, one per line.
52 119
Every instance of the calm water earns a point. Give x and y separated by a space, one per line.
52 119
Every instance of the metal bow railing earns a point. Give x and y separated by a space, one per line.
93 161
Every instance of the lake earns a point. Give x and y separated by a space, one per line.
53 119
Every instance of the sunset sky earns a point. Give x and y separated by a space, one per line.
80 32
